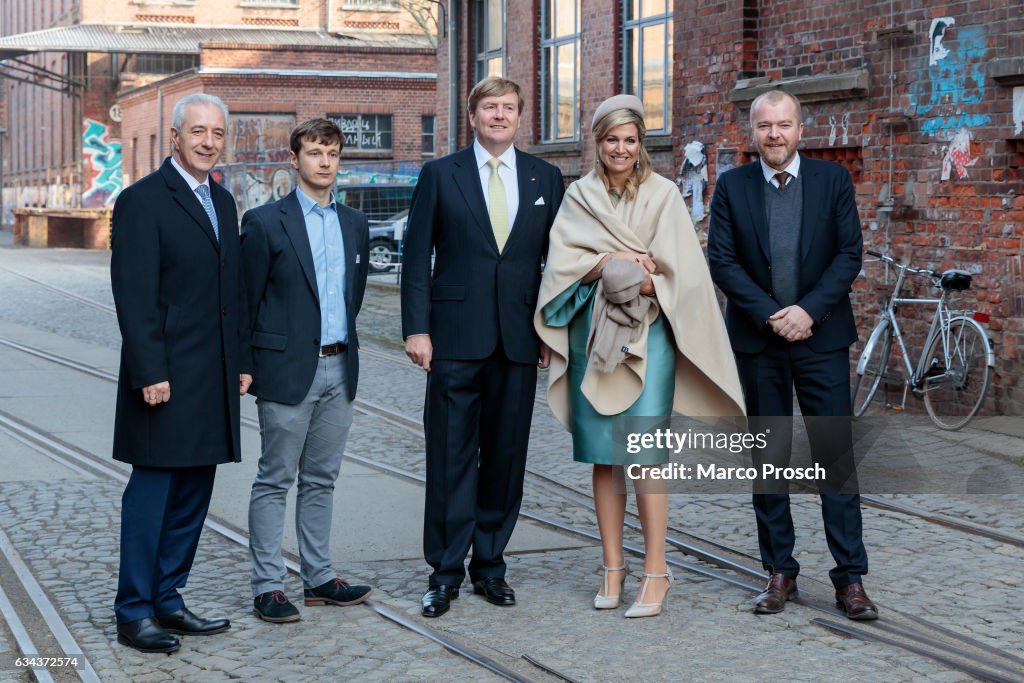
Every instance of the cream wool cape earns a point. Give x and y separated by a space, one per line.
656 222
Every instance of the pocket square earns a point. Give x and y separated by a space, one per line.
539 202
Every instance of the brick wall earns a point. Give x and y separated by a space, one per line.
936 150
952 192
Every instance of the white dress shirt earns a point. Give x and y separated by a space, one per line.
769 173
507 171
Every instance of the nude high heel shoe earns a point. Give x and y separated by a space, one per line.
649 609
606 601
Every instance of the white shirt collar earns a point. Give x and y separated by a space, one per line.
192 182
793 169
508 157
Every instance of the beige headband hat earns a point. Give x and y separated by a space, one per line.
618 102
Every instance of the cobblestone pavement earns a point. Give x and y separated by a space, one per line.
67 531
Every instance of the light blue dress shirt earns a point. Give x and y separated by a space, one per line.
324 230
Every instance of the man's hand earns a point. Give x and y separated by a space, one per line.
244 381
792 323
157 393
420 350
545 356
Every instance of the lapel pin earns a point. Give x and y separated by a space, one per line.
533 180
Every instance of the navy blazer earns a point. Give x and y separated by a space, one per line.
739 254
476 296
284 303
181 309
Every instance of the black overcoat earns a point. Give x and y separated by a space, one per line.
181 308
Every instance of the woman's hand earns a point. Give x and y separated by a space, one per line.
647 288
644 260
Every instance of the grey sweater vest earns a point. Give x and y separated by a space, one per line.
785 211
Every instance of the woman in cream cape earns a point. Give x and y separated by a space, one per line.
682 361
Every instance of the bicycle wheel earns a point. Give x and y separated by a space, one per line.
957 375
871 368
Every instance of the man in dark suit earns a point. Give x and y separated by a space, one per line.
486 212
305 262
175 276
784 246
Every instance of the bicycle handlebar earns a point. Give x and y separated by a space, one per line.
903 266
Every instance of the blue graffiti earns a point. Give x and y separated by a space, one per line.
957 79
105 159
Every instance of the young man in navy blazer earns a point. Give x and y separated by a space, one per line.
784 245
174 273
485 212
304 258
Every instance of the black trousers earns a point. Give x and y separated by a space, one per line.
822 385
477 416
162 515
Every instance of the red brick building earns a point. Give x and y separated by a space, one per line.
64 64
923 102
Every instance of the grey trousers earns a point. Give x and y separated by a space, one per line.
307 441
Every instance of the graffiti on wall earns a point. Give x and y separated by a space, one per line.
693 177
832 132
102 155
936 33
954 77
257 169
958 155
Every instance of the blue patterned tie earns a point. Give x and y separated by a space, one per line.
204 196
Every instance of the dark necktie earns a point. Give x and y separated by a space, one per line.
782 177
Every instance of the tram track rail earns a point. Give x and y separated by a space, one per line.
911 634
415 427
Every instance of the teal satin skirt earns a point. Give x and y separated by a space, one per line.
592 431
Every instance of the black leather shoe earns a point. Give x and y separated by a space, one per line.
438 599
496 591
185 623
275 607
147 635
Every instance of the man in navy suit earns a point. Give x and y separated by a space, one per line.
305 263
174 272
784 246
485 212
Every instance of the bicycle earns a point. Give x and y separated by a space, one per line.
956 363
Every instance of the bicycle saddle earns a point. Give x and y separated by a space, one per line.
955 280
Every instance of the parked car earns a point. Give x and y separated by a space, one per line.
386 205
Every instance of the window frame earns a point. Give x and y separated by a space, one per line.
347 147
481 20
553 44
638 25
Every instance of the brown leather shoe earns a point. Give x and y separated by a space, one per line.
855 602
773 598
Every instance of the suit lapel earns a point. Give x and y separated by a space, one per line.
467 179
188 200
348 238
755 204
813 195
295 227
528 190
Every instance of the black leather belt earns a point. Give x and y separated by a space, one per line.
333 349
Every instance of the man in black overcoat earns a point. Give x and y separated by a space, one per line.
181 308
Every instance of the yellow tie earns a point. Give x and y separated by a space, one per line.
497 205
